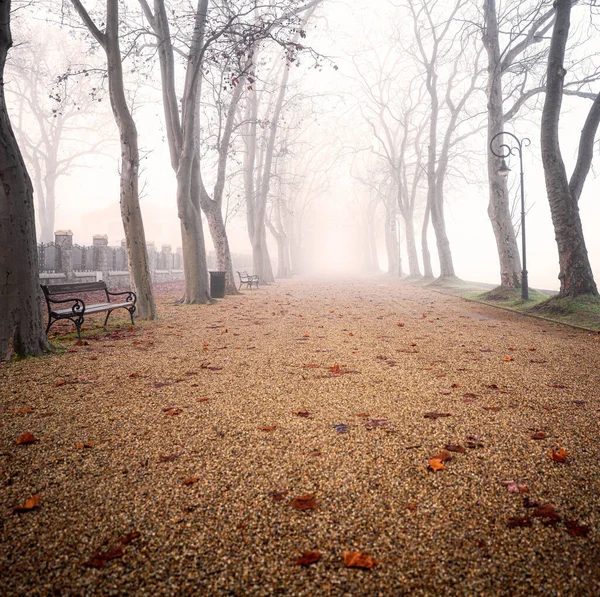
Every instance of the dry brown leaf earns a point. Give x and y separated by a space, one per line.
26 438
23 410
575 529
302 413
267 427
442 456
358 559
30 504
538 435
515 522
101 558
190 481
172 411
84 445
308 557
304 502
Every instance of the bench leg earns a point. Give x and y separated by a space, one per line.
131 312
106 318
78 323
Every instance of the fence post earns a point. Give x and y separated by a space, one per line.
63 241
101 250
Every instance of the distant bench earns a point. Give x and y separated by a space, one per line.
248 280
78 308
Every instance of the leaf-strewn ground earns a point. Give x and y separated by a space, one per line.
311 438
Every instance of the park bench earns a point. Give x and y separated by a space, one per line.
78 308
248 280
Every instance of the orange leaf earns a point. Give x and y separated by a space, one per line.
508 358
358 559
190 481
304 502
60 382
172 411
435 464
308 557
30 504
306 335
559 455
26 438
23 410
267 427
84 445
302 413
532 348
311 365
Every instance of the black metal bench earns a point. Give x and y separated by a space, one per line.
248 280
78 309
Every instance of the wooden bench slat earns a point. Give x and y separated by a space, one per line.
75 288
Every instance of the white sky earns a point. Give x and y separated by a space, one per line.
88 198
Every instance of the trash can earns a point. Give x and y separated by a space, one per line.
217 284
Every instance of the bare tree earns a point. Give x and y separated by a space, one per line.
131 214
21 325
575 275
53 119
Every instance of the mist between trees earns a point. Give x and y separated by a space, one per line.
292 120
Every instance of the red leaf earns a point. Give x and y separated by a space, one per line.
435 416
538 435
278 495
576 529
358 559
190 481
519 522
101 558
308 557
130 537
26 438
304 502
455 448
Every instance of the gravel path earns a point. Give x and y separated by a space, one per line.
216 397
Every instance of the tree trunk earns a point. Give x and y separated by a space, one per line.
218 234
498 207
427 269
391 242
48 217
575 275
21 325
411 246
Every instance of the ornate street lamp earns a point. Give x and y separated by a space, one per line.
503 150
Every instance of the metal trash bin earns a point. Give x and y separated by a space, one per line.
217 284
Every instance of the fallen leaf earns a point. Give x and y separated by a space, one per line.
532 348
23 410
412 506
190 481
172 411
538 435
442 456
60 382
559 455
400 324
84 445
492 408
304 502
358 559
376 423
508 358
455 385
363 415
30 504
341 427
435 416
559 386
576 529
302 413
455 448
311 365
26 438
514 487
267 427
546 511
308 557
435 464
101 558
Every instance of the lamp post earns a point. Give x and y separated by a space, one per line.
504 150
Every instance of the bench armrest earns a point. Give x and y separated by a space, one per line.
130 298
78 306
